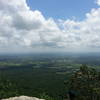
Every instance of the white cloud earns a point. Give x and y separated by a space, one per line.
23 28
98 2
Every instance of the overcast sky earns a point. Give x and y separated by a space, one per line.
49 25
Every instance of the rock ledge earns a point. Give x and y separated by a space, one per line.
23 98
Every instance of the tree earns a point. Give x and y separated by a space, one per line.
7 89
85 84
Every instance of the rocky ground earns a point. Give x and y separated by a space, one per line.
23 98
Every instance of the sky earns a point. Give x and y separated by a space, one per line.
63 9
49 25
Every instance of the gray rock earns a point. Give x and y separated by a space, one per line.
23 98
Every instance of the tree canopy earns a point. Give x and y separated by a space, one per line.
85 84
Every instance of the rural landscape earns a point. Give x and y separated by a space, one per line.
49 49
50 76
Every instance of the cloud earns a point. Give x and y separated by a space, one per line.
20 27
98 2
87 32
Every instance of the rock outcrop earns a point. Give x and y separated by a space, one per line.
23 98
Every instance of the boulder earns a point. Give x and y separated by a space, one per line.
23 98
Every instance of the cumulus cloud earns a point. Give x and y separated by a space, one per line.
98 2
23 28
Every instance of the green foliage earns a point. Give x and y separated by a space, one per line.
85 83
7 89
31 82
46 97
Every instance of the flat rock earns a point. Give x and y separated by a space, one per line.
23 98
